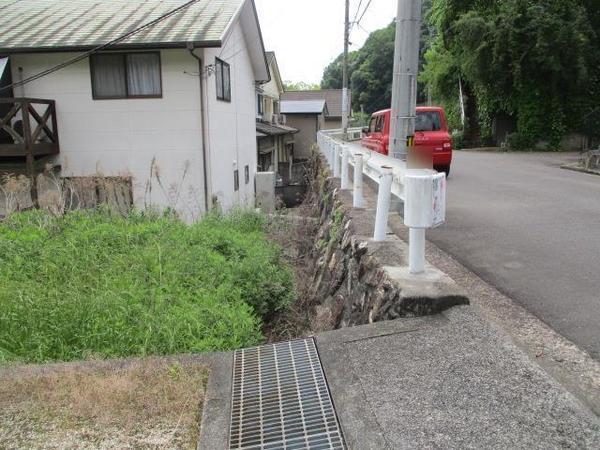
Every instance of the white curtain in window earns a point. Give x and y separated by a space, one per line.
109 75
143 74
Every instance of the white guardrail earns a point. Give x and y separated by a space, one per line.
422 191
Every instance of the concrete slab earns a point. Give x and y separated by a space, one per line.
447 381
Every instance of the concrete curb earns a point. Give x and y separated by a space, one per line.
216 413
578 168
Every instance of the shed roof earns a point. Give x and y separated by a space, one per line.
304 107
333 98
274 130
29 25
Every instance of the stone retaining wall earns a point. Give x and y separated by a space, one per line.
358 281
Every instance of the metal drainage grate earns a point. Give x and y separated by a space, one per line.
281 399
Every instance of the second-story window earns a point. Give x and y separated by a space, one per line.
260 102
223 77
126 75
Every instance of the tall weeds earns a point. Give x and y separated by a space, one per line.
97 284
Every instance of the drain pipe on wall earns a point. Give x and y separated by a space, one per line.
204 129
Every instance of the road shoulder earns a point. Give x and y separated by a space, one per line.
571 366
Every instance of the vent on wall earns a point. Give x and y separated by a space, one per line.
281 400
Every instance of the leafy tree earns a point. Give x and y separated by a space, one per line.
332 76
371 68
300 86
532 60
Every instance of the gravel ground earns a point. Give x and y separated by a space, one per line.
126 404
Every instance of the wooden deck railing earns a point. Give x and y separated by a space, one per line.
31 125
28 128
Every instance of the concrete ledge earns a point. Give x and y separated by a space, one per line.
579 168
216 414
447 381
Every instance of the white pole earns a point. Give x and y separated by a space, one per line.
336 161
345 175
345 102
358 181
384 197
406 68
416 250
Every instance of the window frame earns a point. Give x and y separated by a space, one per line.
236 180
127 95
261 105
226 96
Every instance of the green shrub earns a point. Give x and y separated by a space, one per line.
92 284
518 141
458 139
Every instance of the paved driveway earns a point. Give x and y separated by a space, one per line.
532 230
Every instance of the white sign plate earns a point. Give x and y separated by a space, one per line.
439 199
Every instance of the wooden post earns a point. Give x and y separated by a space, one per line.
30 160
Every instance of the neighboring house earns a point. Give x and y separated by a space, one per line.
333 98
171 106
308 116
275 140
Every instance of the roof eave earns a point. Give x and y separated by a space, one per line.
127 46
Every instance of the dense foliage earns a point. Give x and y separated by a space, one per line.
534 62
95 284
300 86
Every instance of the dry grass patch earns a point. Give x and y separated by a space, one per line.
142 404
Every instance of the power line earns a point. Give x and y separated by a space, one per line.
364 11
98 48
357 12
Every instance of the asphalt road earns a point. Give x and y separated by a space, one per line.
532 230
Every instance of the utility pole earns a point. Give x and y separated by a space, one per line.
406 69
345 100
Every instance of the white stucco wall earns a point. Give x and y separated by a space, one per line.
232 125
123 137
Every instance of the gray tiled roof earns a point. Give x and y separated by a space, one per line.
274 130
84 24
333 98
304 107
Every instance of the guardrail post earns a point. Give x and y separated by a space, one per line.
345 161
336 161
358 200
384 197
416 250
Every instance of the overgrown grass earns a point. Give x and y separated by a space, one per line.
94 284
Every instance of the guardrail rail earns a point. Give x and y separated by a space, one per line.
423 191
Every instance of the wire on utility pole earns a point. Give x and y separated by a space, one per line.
357 13
364 12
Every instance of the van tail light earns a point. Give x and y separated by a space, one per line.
447 145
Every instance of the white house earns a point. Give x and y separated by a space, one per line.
172 105
275 139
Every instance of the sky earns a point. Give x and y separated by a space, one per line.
306 35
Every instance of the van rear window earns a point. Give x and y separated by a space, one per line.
428 121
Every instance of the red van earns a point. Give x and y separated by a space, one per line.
431 135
